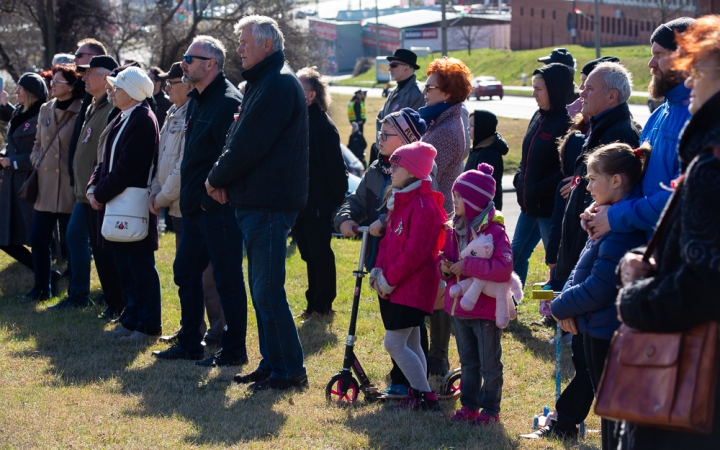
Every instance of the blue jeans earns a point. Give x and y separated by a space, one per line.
212 236
266 235
141 285
78 243
528 232
41 235
478 342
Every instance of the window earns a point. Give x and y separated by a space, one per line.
521 11
542 13
553 14
613 26
532 12
624 22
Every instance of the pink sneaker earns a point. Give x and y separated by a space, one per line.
465 414
486 419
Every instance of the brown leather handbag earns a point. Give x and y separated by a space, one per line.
663 380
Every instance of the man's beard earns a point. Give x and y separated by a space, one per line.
662 83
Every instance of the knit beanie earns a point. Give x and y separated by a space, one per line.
588 67
485 125
559 84
34 84
417 158
665 33
135 82
408 123
477 189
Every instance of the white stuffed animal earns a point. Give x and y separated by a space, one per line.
470 288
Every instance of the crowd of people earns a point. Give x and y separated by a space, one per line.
592 185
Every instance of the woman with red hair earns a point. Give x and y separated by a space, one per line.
677 289
447 86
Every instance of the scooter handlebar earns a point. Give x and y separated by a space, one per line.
357 229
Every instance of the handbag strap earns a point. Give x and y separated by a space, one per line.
115 141
662 225
57 132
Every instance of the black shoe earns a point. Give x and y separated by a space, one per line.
552 431
546 321
70 303
218 360
55 283
170 338
35 296
252 377
176 352
280 384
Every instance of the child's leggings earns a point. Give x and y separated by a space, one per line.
404 347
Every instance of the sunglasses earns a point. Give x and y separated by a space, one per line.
396 64
56 82
188 58
429 87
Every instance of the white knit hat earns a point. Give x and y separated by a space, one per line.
135 82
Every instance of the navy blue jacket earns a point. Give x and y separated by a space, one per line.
590 292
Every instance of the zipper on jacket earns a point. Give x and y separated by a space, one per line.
527 160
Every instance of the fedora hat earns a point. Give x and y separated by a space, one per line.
405 56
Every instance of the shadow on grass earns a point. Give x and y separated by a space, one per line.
15 279
316 335
541 348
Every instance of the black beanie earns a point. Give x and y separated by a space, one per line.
665 33
34 84
559 83
587 68
485 125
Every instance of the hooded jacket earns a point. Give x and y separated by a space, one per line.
539 173
264 164
490 151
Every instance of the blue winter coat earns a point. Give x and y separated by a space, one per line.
663 132
590 292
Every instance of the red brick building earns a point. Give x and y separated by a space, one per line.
550 23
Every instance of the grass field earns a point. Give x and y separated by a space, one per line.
507 66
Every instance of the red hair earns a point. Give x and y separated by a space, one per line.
701 40
454 78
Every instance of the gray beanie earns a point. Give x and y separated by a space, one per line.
34 84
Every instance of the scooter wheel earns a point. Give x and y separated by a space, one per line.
342 389
451 384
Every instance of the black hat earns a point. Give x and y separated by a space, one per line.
587 68
559 83
360 91
559 55
174 72
34 84
665 33
405 56
104 61
485 125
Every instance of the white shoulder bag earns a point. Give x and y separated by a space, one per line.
127 216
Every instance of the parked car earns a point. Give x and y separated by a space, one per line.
354 166
486 87
305 12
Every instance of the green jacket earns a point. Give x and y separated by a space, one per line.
86 152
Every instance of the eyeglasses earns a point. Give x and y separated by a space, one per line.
384 136
80 54
395 65
696 72
56 82
188 58
394 167
429 87
169 84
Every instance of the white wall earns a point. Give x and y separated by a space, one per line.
487 36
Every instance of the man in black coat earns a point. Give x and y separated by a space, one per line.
210 231
263 173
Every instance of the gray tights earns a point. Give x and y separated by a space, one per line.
404 347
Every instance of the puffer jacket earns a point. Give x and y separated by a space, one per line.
662 130
491 151
408 252
498 268
166 183
50 157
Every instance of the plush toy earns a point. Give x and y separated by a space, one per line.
470 288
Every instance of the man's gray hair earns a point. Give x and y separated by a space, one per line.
102 71
212 46
616 77
263 27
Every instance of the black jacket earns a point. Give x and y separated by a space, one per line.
491 154
328 173
683 292
615 125
264 164
162 105
209 117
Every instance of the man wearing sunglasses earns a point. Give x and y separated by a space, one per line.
407 94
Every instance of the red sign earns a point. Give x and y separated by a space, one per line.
323 30
385 32
385 45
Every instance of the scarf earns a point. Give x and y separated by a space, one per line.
384 164
430 113
411 187
19 117
476 224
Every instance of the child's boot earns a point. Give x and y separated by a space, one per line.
429 401
465 414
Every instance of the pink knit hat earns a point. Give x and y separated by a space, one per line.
417 158
477 189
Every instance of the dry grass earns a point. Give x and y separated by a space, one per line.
65 385
513 130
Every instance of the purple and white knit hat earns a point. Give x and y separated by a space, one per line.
477 189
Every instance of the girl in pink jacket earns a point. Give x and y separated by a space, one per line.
406 275
478 338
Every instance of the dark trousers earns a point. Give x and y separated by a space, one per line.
41 237
596 351
104 263
212 237
141 285
20 254
576 399
313 236
396 375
